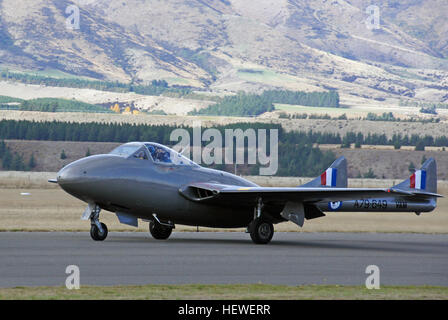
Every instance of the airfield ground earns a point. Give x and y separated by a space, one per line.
29 203
216 259
224 292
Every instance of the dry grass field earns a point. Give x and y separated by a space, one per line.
143 102
397 163
29 203
226 292
48 153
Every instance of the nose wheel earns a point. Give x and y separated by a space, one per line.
98 230
97 234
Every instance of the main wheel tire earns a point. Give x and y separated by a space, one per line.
159 231
261 231
96 234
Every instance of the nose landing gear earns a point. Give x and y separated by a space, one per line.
98 230
97 234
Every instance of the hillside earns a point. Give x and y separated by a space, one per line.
234 44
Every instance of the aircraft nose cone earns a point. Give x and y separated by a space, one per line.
70 174
83 177
86 178
65 175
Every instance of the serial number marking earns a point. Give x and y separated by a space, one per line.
401 204
371 204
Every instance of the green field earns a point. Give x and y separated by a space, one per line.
50 105
6 99
264 76
178 81
226 292
53 73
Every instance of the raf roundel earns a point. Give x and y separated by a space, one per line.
335 205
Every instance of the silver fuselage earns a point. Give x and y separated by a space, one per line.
142 188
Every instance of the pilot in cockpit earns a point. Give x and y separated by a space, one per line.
152 151
159 154
162 155
141 155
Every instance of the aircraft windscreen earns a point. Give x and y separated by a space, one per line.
162 154
125 150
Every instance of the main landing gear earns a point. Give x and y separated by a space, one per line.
98 230
261 230
160 230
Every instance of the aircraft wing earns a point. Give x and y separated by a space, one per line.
329 187
237 195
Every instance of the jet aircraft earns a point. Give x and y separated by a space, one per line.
151 182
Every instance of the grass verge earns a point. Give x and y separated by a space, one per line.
224 292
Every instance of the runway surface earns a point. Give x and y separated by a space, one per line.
34 259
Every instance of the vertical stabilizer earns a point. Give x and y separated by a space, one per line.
424 179
334 177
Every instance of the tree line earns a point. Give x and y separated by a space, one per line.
60 105
295 159
6 99
247 104
103 132
294 115
14 161
311 99
385 116
432 105
118 132
389 116
397 140
154 88
298 155
242 105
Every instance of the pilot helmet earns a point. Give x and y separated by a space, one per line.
151 149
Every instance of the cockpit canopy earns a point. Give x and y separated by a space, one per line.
156 152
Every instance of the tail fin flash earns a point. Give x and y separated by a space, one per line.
335 176
424 179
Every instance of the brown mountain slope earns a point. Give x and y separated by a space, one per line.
239 44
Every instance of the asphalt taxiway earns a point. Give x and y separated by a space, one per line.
40 259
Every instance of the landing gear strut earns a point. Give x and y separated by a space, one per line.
261 230
160 230
98 230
